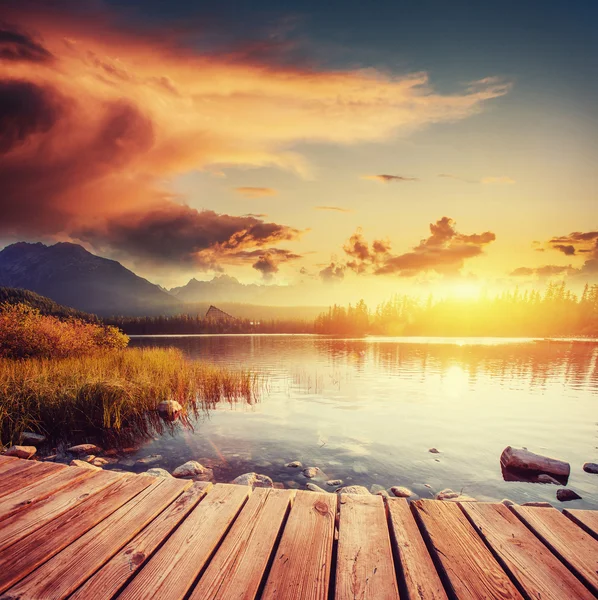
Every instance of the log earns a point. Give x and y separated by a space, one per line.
520 459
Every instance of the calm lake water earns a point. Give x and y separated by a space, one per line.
368 410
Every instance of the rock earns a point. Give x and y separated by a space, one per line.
383 493
375 488
80 449
434 451
111 452
158 472
126 462
207 475
545 478
591 468
279 485
401 492
447 495
507 502
565 495
102 462
81 463
354 489
190 469
169 410
311 472
334 482
28 438
520 459
152 459
51 458
294 465
312 487
21 451
538 504
254 480
87 458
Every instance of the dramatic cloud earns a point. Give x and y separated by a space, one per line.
267 264
389 178
18 46
567 249
502 180
333 272
99 117
334 208
256 192
444 251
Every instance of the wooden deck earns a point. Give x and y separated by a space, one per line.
70 532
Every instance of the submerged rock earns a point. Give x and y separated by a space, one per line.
126 462
311 472
102 462
80 449
81 463
88 457
312 487
401 492
334 482
382 493
152 459
254 480
28 438
189 469
520 459
295 464
158 472
169 410
21 451
448 495
565 495
375 488
434 451
591 467
354 489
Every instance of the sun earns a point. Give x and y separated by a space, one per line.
466 291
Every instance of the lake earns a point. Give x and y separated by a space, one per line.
368 411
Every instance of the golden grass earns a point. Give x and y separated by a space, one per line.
111 394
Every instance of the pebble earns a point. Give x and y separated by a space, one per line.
447 495
152 459
126 462
310 472
81 463
84 449
254 480
189 469
401 492
591 467
102 462
21 451
354 489
334 482
158 472
565 495
312 487
88 457
294 465
434 451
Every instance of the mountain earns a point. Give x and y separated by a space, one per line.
74 277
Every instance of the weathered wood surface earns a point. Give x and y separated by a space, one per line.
79 534
541 574
576 548
419 575
364 566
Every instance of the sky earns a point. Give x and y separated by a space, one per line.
345 149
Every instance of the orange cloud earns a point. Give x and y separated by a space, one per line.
256 192
389 178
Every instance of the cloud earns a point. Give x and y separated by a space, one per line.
567 249
98 122
389 178
256 192
502 180
545 271
18 46
334 208
449 176
444 251
267 264
333 272
580 243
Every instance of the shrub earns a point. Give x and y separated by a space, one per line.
26 333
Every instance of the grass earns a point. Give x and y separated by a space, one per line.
111 395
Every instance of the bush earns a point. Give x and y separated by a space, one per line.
26 333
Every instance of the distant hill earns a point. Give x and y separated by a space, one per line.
74 277
43 304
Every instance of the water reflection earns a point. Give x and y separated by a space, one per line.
368 410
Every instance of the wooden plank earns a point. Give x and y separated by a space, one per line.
34 517
13 468
19 559
540 573
576 548
7 462
28 476
170 573
236 571
301 566
469 566
364 567
416 565
122 567
63 574
40 490
587 519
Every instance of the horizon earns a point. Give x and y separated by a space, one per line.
386 152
